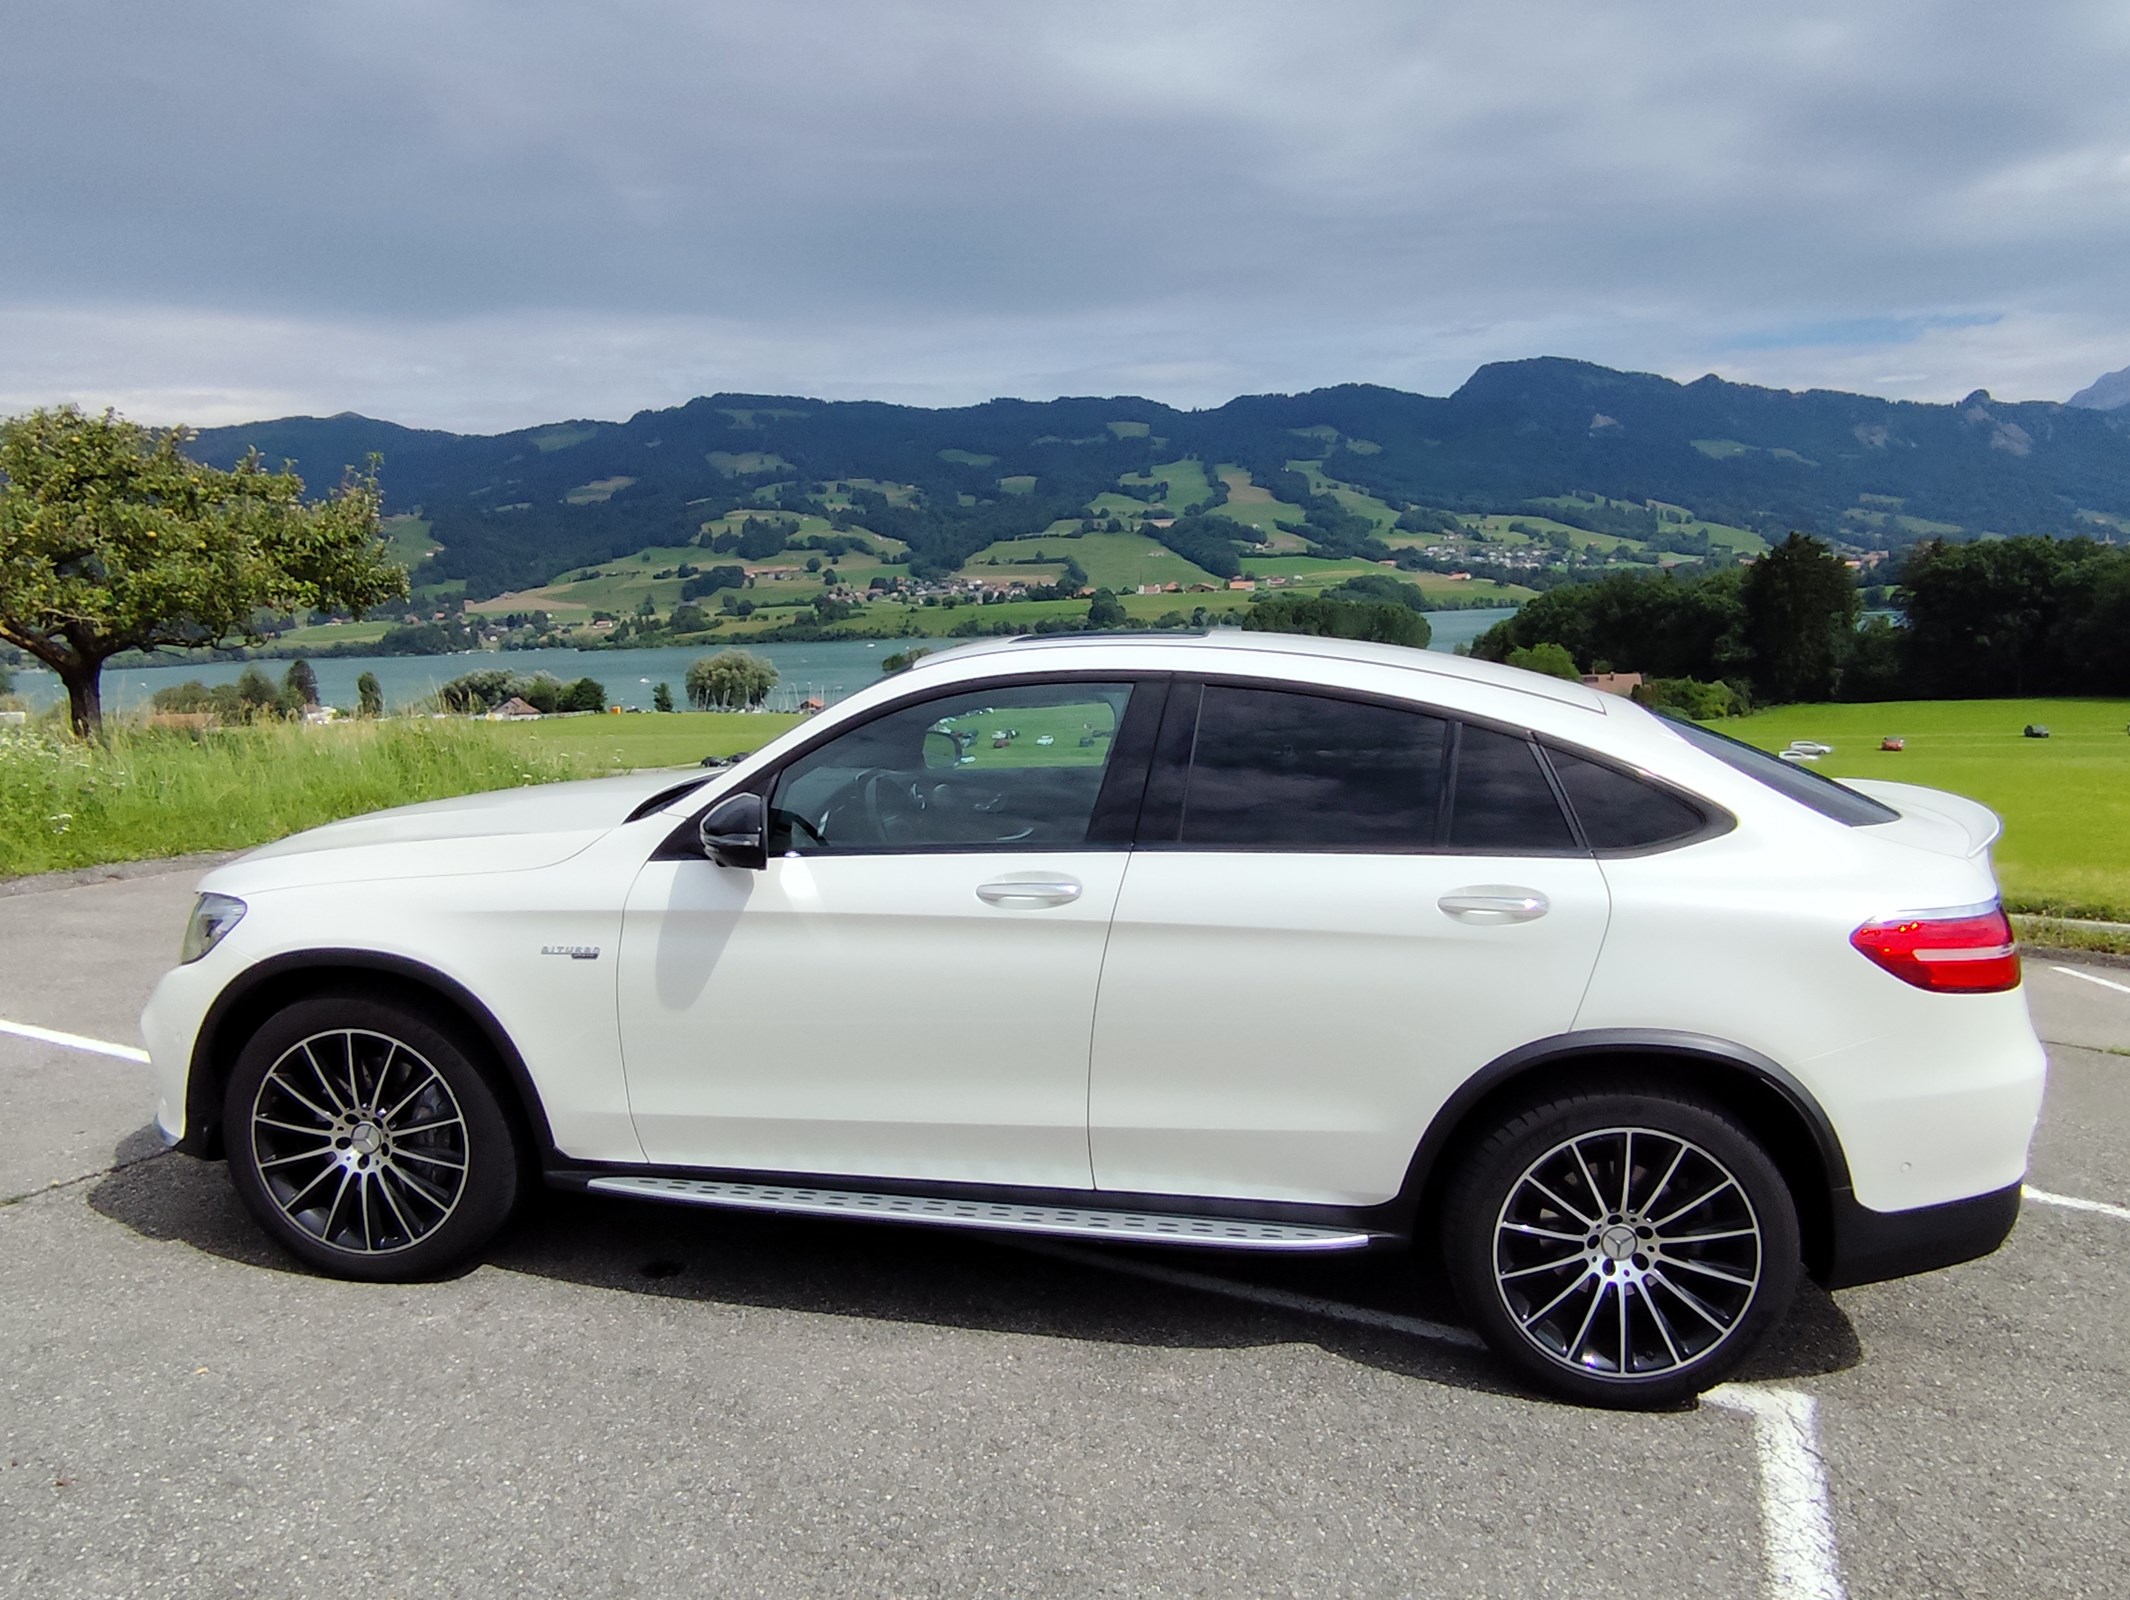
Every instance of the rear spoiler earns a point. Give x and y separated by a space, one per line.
1931 819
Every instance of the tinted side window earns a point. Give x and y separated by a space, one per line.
1273 770
1807 788
1503 804
1017 766
1619 811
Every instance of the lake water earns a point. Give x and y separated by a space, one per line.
828 671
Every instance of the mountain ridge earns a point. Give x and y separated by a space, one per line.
2108 392
513 508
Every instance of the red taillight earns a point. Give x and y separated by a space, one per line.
1962 952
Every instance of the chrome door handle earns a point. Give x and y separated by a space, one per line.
1490 905
1025 894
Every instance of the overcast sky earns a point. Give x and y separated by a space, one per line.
480 216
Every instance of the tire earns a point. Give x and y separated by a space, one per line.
367 1140
1642 1302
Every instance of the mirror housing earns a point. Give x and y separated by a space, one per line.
941 749
734 832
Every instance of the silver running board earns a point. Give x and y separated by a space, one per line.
1079 1222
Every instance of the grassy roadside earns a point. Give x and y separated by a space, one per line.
150 793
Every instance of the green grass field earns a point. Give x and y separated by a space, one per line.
324 633
1186 479
150 793
407 540
1358 501
1251 504
2065 800
1111 560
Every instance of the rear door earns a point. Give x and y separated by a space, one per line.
1338 910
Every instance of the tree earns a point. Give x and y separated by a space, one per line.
662 698
7 679
586 694
902 660
369 696
112 539
1800 618
256 695
476 692
1381 621
729 681
1551 659
1656 624
1105 610
299 688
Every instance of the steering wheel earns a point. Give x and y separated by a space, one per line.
892 804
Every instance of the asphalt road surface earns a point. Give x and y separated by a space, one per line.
631 1400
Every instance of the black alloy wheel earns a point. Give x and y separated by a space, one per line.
1622 1247
366 1139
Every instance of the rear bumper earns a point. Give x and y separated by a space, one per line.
1872 1246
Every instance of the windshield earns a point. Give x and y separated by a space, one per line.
1799 782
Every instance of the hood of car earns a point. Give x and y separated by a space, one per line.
502 830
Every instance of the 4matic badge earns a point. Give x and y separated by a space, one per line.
576 952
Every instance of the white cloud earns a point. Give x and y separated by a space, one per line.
481 214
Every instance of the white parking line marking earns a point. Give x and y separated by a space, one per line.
1278 1299
73 1041
2073 1203
1796 1525
2105 983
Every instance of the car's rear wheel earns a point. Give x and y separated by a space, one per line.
366 1138
1620 1246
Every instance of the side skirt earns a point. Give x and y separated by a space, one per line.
1123 1226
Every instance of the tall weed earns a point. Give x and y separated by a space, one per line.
149 792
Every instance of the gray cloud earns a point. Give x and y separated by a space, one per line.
488 214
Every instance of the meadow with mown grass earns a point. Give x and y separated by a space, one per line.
2065 800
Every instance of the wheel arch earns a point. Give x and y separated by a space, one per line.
280 981
1777 1109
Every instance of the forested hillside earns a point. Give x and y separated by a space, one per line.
1328 473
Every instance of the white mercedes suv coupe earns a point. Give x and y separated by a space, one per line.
1242 942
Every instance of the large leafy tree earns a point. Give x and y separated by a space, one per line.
112 539
1800 619
731 680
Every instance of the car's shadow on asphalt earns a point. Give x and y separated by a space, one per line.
939 1278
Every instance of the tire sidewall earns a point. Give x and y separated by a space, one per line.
1482 1187
494 1160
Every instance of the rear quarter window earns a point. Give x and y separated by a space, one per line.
1792 779
1619 811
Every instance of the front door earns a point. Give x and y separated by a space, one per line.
907 989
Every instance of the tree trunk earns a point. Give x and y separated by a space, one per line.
85 697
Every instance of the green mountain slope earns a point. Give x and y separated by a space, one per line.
1574 443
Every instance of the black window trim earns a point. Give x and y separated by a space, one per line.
1166 786
1122 795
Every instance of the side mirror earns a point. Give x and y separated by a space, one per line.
941 749
733 832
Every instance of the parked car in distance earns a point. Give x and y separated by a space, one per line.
1334 946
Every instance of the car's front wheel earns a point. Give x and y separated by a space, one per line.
1620 1246
367 1139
